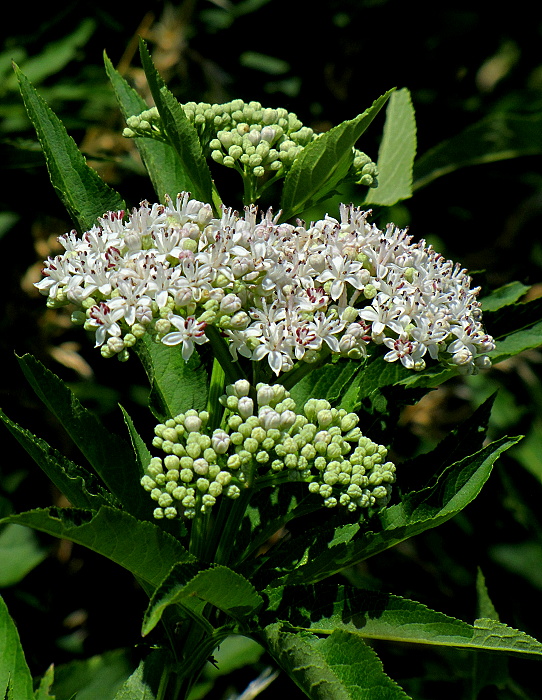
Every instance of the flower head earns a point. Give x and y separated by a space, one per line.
277 292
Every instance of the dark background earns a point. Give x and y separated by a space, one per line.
462 61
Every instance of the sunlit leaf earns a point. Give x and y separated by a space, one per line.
397 152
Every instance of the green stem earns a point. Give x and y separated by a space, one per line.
301 369
216 389
232 370
228 524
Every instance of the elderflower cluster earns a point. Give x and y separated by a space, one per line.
265 440
253 139
274 291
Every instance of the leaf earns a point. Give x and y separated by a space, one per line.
79 486
195 176
328 607
110 456
80 188
140 447
139 546
503 296
96 678
456 488
144 682
341 667
176 385
397 152
14 672
219 586
19 554
161 161
55 55
46 681
496 137
324 163
328 382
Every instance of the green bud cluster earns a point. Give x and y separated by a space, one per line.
265 440
363 171
259 141
147 124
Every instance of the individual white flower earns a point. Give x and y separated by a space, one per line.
189 332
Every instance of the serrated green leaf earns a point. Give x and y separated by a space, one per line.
139 546
80 487
341 666
499 136
84 194
324 163
176 385
219 586
457 487
110 456
183 137
164 166
397 152
139 445
327 607
14 671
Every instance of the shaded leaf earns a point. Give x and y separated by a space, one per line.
110 456
397 152
219 586
80 188
80 487
457 487
327 607
19 554
496 137
139 546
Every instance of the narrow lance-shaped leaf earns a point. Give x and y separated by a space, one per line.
77 484
499 136
84 194
326 607
181 134
139 546
324 163
456 488
397 152
219 586
162 162
110 456
341 666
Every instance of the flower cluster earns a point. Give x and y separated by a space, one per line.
275 291
263 442
255 140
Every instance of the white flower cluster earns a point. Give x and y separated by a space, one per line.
265 440
276 291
